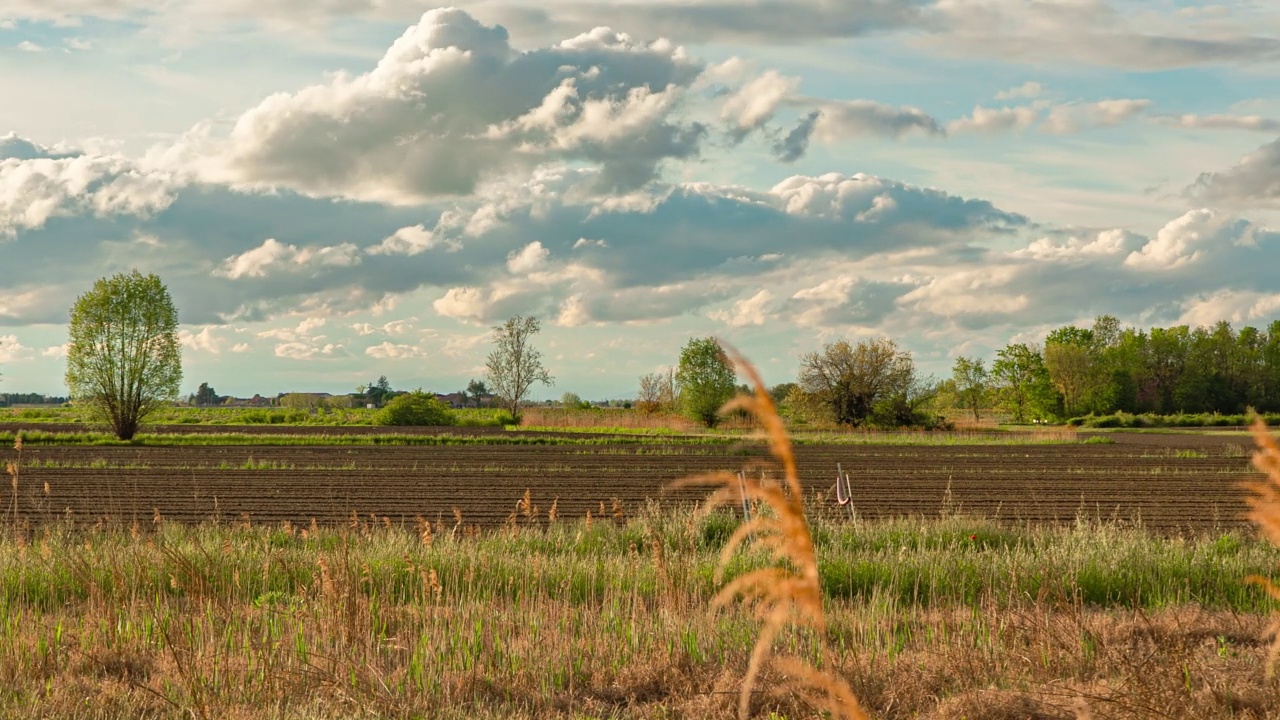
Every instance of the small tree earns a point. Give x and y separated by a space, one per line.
514 365
376 393
1021 384
657 392
206 395
123 356
706 379
970 376
299 401
477 390
573 401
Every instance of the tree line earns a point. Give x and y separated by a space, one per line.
124 360
870 383
1077 371
1107 368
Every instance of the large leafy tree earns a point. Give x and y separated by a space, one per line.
1072 359
123 356
706 380
850 380
515 365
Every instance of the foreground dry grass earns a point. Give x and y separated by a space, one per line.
580 622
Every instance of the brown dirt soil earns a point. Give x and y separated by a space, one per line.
1139 478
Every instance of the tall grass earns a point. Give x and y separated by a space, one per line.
602 620
604 418
1053 436
943 618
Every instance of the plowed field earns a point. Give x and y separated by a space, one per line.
1168 481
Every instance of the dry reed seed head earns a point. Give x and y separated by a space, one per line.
551 513
433 585
1264 497
1264 502
17 442
46 487
787 593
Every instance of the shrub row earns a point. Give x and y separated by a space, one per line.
1150 420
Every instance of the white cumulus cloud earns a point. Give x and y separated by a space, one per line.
452 104
273 256
749 311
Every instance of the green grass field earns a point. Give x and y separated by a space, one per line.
599 620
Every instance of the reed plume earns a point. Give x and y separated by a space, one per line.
788 592
1264 511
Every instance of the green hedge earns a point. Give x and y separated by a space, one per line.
1151 420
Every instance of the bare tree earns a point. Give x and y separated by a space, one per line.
657 392
514 365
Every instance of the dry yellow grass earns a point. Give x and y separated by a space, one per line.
604 418
787 593
1264 504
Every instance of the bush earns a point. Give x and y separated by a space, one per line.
483 417
414 408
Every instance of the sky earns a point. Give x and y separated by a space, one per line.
334 190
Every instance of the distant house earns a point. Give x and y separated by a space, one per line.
455 399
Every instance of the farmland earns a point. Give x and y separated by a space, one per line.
298 573
1168 482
